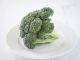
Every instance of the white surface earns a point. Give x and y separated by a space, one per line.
65 44
12 11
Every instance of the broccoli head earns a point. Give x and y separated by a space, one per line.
45 12
35 25
29 40
47 27
36 28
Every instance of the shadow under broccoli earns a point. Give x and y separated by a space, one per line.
36 28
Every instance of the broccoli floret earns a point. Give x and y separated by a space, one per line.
48 27
35 25
47 20
22 34
36 28
29 40
45 12
40 34
34 14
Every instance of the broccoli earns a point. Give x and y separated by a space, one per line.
46 38
36 28
35 25
29 40
48 27
45 12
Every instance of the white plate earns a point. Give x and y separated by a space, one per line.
63 45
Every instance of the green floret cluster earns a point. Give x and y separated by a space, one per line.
36 28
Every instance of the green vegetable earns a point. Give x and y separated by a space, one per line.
45 12
29 40
36 28
22 34
47 38
48 27
35 25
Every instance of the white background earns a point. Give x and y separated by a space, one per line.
12 11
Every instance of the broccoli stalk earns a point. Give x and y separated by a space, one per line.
36 28
47 38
